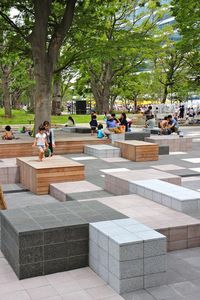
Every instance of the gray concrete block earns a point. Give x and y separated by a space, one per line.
155 264
140 136
152 280
103 257
94 264
163 150
125 252
126 269
155 247
103 272
125 285
93 250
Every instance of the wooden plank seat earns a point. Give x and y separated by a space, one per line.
21 147
127 254
138 150
37 176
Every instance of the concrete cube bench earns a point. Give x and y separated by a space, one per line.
127 255
138 136
134 135
9 171
122 183
102 150
163 150
174 142
83 130
69 129
167 194
63 191
44 239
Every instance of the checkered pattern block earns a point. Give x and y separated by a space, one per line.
126 254
167 194
102 150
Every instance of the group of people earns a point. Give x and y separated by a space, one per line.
113 124
169 125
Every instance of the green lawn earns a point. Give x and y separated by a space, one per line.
22 117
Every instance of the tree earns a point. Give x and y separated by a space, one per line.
43 25
187 17
124 42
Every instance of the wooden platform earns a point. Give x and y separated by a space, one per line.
37 176
138 150
23 147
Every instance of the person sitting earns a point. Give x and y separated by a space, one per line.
8 135
164 126
100 133
123 121
115 118
148 113
110 125
173 124
151 123
70 122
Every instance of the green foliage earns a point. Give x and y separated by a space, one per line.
22 117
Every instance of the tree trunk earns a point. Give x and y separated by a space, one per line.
16 99
56 101
101 87
6 92
31 93
45 54
165 94
42 99
135 102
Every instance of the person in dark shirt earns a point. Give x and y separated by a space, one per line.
123 121
93 124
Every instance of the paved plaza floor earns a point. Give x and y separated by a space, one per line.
183 266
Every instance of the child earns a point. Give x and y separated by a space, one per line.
41 142
100 133
49 136
8 135
93 124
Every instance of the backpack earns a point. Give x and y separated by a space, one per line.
47 152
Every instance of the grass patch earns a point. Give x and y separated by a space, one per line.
22 117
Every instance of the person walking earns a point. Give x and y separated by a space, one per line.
41 142
50 136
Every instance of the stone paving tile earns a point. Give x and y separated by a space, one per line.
168 167
84 158
42 292
138 295
195 169
16 200
194 160
163 292
115 159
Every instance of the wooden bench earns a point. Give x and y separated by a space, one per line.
37 176
138 150
21 148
